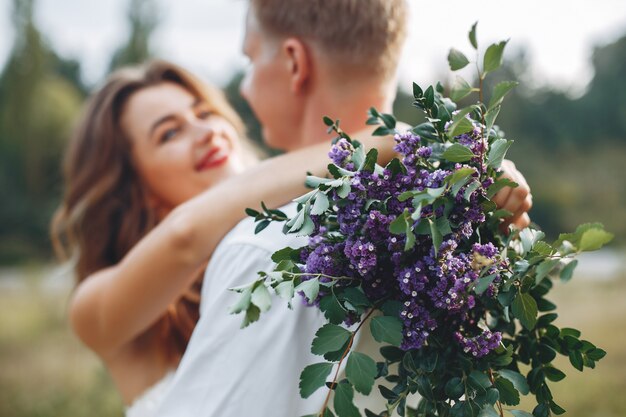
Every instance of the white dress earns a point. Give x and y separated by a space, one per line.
147 403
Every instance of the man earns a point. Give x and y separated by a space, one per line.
308 58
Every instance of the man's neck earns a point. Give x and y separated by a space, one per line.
349 106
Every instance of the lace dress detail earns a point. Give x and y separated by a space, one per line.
147 403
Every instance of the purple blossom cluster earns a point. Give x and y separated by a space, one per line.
433 284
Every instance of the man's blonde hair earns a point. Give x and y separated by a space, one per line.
359 34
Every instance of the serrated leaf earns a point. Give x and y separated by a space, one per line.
460 89
285 290
493 57
314 377
320 205
310 288
499 91
361 371
457 60
508 393
343 402
329 338
594 239
498 152
252 314
261 297
387 329
244 301
518 380
472 36
332 309
524 308
458 153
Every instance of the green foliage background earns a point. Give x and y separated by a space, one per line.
572 151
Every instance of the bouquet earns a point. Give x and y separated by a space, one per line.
415 250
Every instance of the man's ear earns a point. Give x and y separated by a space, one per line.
299 63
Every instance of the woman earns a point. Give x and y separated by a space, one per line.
153 182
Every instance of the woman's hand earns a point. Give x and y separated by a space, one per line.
517 200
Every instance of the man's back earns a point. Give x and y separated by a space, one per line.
228 371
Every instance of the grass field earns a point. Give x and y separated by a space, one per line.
44 370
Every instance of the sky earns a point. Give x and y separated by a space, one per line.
205 35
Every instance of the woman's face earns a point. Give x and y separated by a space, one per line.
180 146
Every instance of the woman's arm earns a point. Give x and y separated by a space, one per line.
113 306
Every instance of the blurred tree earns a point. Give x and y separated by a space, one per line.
40 93
143 18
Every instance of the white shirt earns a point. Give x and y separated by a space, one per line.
232 372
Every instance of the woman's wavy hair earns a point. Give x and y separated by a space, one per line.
104 210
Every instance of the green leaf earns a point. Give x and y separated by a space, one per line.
544 268
568 271
498 152
483 283
361 371
436 236
370 160
498 185
596 354
320 205
329 338
387 329
286 254
508 393
417 91
460 89
576 359
328 121
479 380
594 239
490 119
310 288
252 314
343 402
556 409
493 57
455 388
472 36
459 127
399 225
458 153
244 301
261 226
518 380
553 374
285 290
429 97
457 60
499 91
314 377
251 212
524 307
332 309
261 297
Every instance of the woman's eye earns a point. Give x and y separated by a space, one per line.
168 134
204 114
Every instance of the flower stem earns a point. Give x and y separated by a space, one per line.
343 356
